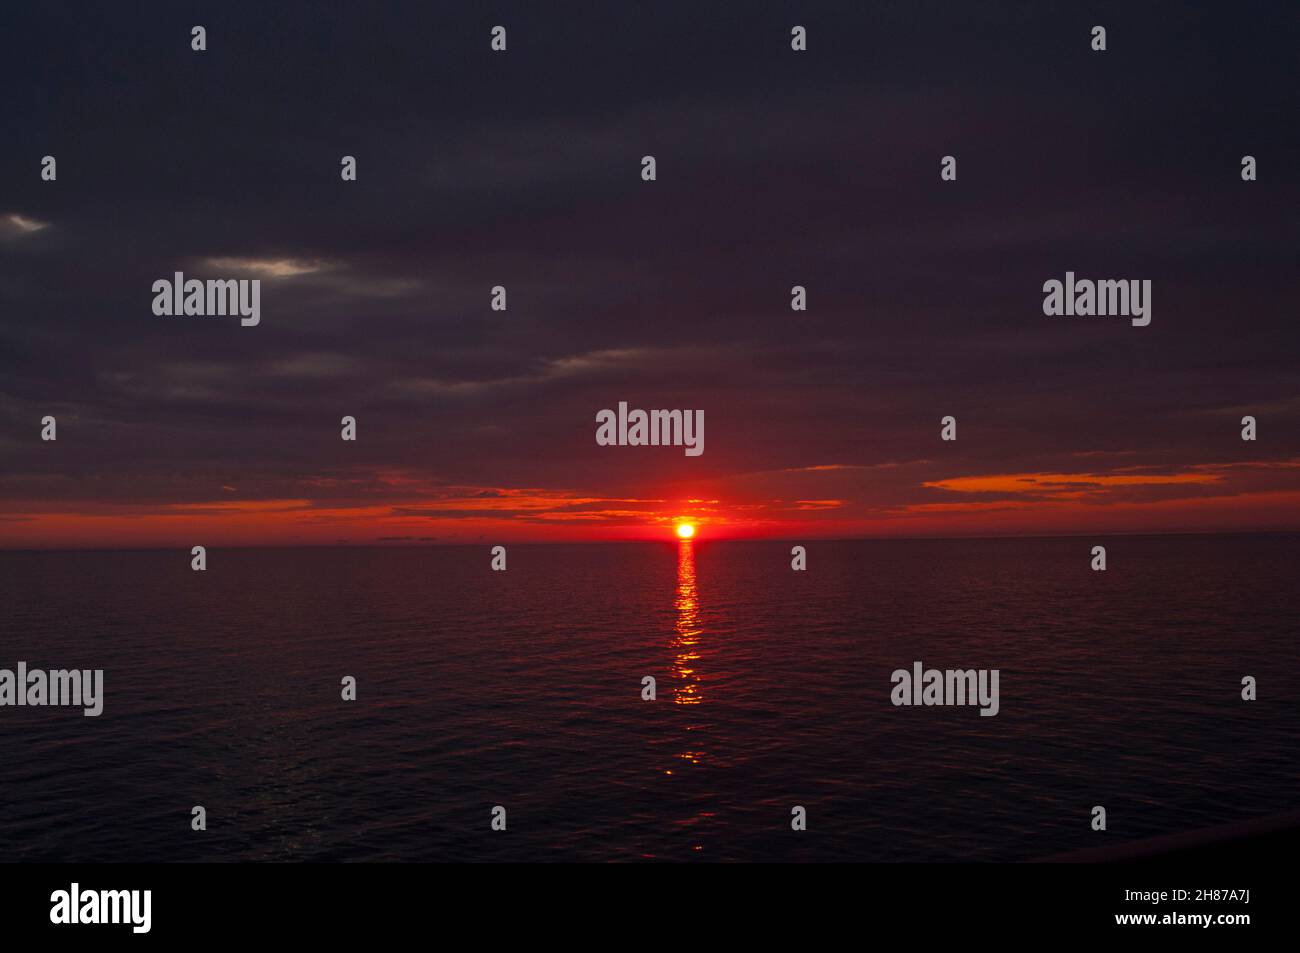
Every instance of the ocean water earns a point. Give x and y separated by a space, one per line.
523 689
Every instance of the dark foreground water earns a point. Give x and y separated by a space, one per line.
523 689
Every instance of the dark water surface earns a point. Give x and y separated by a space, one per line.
523 689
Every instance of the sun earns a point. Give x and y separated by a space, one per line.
685 530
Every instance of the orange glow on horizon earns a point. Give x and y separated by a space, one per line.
1240 496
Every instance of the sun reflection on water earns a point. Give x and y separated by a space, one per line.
686 639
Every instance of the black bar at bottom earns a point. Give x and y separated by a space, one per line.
1238 889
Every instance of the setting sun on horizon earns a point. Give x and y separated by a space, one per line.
685 530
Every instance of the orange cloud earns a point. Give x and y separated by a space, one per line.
1065 485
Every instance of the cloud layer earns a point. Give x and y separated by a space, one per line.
522 170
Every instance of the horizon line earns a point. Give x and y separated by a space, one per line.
427 544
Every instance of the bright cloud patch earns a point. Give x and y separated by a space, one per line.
15 225
267 267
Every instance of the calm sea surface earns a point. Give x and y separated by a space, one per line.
523 689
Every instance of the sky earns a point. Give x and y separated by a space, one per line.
522 169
